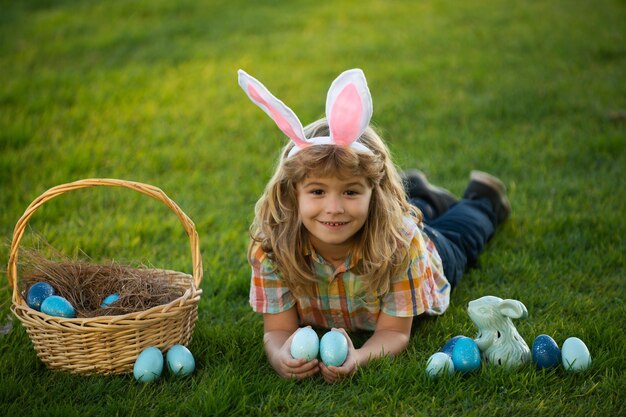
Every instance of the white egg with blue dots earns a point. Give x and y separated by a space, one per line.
439 364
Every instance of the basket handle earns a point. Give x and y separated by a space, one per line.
146 189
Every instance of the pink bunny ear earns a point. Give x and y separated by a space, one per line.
348 107
284 117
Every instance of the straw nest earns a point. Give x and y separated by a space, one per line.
85 285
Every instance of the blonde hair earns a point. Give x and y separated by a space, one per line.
381 244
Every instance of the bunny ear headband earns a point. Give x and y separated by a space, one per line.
348 111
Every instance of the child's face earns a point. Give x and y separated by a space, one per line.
333 210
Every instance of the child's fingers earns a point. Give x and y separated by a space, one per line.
300 369
294 363
328 376
330 379
331 374
307 370
307 366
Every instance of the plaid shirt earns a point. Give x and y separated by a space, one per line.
339 300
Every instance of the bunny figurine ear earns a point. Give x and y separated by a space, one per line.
513 309
348 107
284 117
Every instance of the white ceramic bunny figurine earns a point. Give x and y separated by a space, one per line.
498 339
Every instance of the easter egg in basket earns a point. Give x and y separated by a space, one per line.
37 293
58 306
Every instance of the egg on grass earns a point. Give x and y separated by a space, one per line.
545 352
148 365
466 355
449 345
180 361
575 355
439 364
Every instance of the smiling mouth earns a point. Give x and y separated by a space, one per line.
334 224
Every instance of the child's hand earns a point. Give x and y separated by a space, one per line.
288 367
333 374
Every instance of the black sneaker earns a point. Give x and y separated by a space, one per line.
484 185
417 186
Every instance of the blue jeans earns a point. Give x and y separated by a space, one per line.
459 234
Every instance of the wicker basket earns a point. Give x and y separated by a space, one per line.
109 344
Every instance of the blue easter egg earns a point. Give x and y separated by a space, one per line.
545 352
439 364
466 355
447 348
55 305
180 361
110 299
148 365
37 293
575 355
334 348
305 344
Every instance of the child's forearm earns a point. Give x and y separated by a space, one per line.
382 343
273 341
390 338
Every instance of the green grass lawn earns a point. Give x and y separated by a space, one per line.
533 91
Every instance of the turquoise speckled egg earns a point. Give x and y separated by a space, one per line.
333 348
545 352
449 345
466 355
37 293
148 365
110 299
180 361
439 364
58 306
305 344
575 355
